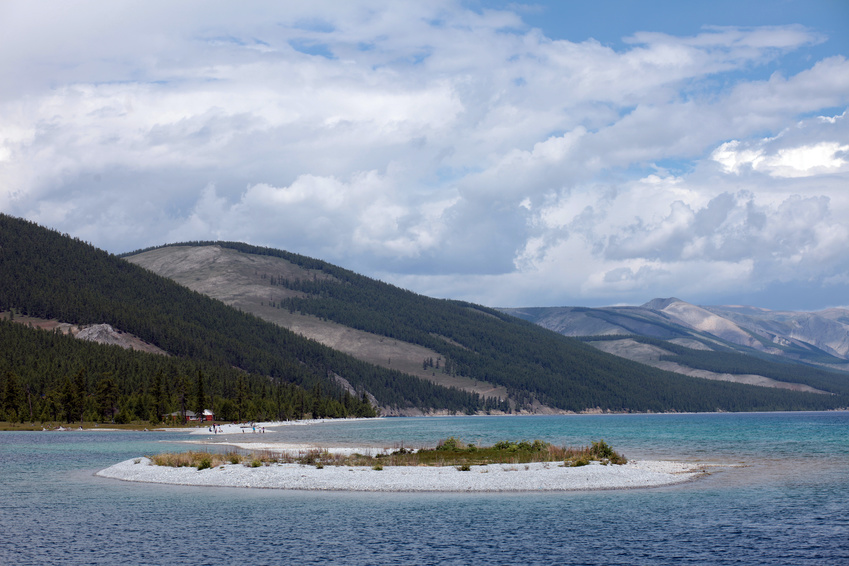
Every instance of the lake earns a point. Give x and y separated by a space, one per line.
783 498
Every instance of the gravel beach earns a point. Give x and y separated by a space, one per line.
489 478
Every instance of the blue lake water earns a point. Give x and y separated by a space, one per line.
787 501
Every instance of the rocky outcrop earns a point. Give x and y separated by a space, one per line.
105 334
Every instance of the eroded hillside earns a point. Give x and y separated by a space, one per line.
249 282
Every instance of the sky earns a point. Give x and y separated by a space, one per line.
552 153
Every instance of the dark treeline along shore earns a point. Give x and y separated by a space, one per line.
55 377
247 368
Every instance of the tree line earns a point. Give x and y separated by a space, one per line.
50 376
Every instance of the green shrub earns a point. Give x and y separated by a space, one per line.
450 444
601 449
204 463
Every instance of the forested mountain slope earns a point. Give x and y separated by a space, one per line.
251 283
54 377
536 367
45 274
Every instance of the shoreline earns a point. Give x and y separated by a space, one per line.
95 427
254 428
499 478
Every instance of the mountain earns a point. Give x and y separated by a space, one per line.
250 368
731 343
273 334
449 343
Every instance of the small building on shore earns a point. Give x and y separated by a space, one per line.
191 416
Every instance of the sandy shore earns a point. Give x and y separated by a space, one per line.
493 477
260 427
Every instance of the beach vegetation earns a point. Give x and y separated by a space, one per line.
449 452
190 459
450 444
598 451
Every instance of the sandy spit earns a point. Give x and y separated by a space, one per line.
491 478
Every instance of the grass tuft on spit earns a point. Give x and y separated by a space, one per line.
449 452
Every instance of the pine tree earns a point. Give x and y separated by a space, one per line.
182 394
200 395
107 397
12 398
158 407
80 393
241 397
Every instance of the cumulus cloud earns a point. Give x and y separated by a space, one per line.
456 151
750 220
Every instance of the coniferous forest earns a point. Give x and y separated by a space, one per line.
52 276
245 368
534 364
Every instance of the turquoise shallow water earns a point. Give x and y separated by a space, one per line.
787 503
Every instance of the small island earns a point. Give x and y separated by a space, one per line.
450 467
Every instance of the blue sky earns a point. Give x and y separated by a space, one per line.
609 21
507 153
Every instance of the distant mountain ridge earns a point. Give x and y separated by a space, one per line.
826 330
798 335
809 339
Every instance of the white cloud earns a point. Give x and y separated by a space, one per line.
803 161
455 151
810 148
